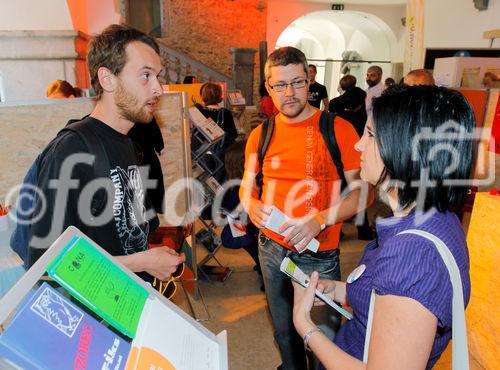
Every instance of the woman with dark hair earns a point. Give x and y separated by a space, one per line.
211 94
417 148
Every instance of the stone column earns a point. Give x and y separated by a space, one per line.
243 71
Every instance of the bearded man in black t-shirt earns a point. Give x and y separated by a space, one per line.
317 92
124 66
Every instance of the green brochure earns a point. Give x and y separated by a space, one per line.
97 282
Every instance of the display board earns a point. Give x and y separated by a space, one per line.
482 314
464 71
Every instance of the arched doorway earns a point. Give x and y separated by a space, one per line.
327 38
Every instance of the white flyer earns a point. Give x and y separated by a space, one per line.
206 125
278 218
288 267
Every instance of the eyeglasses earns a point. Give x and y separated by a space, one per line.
169 287
295 84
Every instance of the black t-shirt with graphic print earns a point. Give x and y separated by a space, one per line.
124 224
317 92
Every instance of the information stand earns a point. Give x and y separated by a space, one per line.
166 336
206 166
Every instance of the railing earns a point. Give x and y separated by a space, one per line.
178 65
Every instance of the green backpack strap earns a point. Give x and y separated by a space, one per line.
326 126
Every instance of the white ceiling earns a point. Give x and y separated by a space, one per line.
364 2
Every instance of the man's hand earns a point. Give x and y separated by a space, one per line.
258 213
161 262
301 229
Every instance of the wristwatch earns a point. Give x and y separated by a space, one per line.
321 221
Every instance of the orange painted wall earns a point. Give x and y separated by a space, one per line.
483 315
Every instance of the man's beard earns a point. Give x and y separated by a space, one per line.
297 109
371 83
130 108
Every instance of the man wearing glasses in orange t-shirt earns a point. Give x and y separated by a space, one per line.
299 178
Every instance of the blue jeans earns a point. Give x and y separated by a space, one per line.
279 293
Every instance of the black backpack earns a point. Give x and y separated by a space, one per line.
28 197
326 122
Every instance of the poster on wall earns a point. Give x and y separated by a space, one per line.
471 77
414 52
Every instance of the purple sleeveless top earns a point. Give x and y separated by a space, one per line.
408 266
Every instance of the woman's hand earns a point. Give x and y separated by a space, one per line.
333 289
302 305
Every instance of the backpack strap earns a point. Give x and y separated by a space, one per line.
101 165
265 140
326 126
460 351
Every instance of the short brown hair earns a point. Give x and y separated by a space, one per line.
108 50
347 82
283 57
211 93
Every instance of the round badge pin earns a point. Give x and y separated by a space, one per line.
356 273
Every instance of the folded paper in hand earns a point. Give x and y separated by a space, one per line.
288 267
278 218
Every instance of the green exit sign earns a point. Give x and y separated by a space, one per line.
337 6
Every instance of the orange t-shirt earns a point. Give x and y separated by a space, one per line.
299 176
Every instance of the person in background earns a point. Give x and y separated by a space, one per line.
419 77
247 232
266 103
351 104
412 313
375 86
351 107
211 94
61 89
389 81
317 92
189 80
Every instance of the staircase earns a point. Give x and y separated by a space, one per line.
178 65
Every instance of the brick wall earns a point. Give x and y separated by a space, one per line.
207 29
